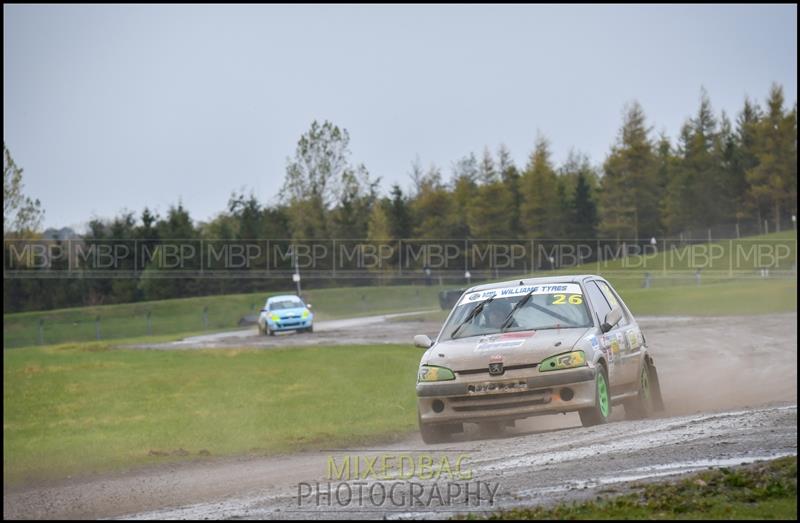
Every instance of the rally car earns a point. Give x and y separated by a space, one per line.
535 346
284 313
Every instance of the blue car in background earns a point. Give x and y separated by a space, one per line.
285 313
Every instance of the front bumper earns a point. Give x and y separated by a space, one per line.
290 324
461 400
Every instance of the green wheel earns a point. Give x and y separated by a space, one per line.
601 410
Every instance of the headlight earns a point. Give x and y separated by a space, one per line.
275 317
305 314
430 373
563 361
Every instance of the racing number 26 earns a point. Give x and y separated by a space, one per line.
561 299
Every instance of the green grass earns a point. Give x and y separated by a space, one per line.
723 259
728 298
762 491
185 316
74 409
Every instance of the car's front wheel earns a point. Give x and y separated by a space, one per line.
642 405
601 410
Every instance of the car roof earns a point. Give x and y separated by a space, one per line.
284 297
577 278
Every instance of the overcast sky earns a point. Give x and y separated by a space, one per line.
120 107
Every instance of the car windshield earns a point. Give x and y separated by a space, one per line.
285 304
545 307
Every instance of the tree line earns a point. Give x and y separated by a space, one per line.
717 171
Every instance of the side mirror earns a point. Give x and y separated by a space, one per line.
422 341
308 306
612 318
265 310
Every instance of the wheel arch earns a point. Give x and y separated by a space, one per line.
601 361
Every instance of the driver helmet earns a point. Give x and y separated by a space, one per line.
496 312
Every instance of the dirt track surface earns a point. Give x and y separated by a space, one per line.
383 328
731 393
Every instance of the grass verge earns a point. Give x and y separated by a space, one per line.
184 316
719 299
766 490
79 409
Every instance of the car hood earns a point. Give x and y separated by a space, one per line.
512 348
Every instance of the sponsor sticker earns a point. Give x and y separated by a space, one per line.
607 343
517 335
484 346
509 340
521 290
633 340
615 341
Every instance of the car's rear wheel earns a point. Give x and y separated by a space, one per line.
601 410
642 405
432 434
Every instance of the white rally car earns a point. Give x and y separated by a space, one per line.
536 346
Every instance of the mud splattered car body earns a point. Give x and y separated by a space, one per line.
522 348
